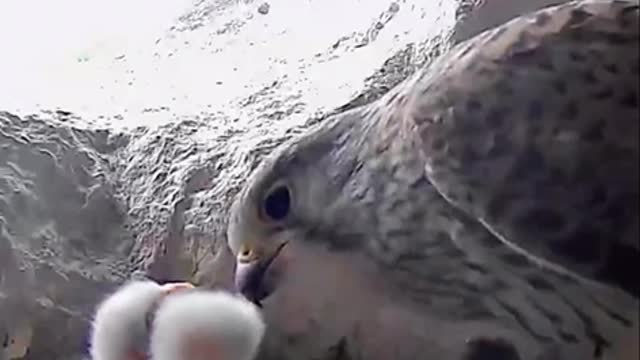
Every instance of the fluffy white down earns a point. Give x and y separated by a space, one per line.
229 322
120 320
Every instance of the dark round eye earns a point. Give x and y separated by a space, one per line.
277 204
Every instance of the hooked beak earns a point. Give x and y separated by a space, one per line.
253 278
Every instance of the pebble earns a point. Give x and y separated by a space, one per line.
264 8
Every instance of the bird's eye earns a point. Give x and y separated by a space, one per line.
277 204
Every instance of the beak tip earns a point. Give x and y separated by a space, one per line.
257 279
240 275
250 281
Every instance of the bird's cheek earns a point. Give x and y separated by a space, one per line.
279 265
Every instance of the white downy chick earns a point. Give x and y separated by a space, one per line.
206 325
120 328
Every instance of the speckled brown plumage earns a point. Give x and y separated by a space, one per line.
492 195
544 147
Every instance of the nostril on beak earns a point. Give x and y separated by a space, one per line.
247 254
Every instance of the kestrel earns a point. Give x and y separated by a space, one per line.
486 208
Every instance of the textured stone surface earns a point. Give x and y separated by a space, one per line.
83 209
63 234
